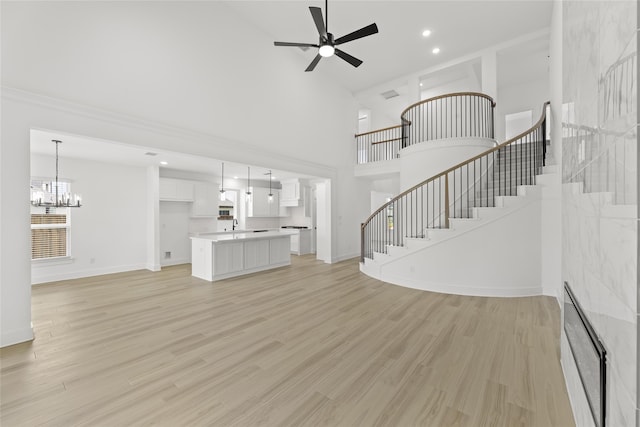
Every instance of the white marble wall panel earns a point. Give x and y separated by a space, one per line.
599 252
578 399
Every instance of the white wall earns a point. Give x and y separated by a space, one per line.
15 247
108 233
421 161
174 233
520 97
551 208
145 81
378 199
323 246
506 241
600 239
151 66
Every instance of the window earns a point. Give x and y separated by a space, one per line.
49 226
49 235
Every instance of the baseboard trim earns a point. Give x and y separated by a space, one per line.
176 262
85 273
455 289
344 258
16 336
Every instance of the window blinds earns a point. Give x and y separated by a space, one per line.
48 235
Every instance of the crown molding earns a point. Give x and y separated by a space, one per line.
222 144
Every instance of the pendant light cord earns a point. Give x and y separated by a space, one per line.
57 185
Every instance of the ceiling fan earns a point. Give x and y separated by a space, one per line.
327 44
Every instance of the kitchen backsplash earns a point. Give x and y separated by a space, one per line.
296 217
258 223
201 225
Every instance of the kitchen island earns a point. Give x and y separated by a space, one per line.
217 256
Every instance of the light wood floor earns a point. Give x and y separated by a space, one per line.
309 344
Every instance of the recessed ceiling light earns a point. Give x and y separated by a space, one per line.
436 50
163 163
273 177
426 33
420 84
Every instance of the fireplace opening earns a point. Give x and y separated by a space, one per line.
589 354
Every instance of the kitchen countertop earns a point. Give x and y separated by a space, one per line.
243 235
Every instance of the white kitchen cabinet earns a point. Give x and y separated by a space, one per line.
228 257
290 195
256 254
219 256
176 190
205 202
259 205
279 251
295 243
301 242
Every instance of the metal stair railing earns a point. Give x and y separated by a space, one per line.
454 192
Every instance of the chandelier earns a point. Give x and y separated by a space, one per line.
51 195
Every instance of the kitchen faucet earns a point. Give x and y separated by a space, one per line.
233 224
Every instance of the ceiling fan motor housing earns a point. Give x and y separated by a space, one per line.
326 39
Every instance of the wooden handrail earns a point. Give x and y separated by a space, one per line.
408 122
459 165
466 114
448 95
378 130
386 140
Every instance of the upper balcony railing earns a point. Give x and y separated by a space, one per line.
377 145
455 115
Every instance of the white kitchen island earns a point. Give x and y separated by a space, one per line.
217 256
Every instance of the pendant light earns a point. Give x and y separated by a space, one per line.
222 192
248 192
51 197
270 192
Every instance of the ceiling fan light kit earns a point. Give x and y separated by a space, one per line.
327 44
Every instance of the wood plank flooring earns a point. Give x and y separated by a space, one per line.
305 345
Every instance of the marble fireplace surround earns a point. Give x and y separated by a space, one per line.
600 193
589 355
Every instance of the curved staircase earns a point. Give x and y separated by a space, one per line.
474 228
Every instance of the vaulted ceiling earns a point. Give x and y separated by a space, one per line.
458 28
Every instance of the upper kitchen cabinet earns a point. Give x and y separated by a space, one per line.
296 193
291 194
205 203
176 190
260 206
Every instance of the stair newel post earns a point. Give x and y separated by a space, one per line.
446 200
361 242
493 133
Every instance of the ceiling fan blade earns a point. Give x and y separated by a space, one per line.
314 63
350 59
358 34
295 44
316 13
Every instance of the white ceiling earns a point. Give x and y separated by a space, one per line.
458 28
